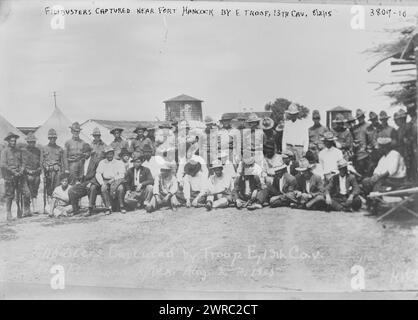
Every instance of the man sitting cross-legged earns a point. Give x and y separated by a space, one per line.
342 191
88 185
247 185
221 185
139 183
310 187
281 192
165 189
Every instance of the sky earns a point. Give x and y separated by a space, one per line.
122 67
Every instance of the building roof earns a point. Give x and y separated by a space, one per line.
126 124
338 108
261 114
182 98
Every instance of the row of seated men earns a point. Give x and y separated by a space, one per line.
126 185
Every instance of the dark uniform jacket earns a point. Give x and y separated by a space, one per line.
11 163
32 160
145 178
72 151
239 187
352 186
52 156
90 176
289 184
316 184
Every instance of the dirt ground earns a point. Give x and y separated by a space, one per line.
191 250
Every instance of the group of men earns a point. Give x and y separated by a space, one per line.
245 162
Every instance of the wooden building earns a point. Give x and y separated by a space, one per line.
183 107
332 113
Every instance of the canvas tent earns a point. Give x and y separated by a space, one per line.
61 124
6 127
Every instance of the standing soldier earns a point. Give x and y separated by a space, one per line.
316 133
253 139
372 132
344 139
119 143
32 173
97 145
361 156
73 154
141 140
386 131
12 172
52 160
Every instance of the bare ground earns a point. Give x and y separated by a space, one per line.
270 250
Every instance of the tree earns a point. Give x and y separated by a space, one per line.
279 107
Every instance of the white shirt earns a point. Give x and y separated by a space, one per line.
197 183
343 185
86 165
295 133
136 177
393 163
114 169
328 159
219 184
281 182
308 186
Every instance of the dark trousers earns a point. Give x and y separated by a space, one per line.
76 170
52 181
114 198
274 198
33 182
81 190
339 203
362 166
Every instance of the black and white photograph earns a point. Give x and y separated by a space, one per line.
208 150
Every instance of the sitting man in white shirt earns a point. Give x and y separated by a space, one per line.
342 191
110 174
390 172
221 185
329 156
165 188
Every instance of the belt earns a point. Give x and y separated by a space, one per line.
294 145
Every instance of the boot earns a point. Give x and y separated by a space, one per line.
26 208
9 209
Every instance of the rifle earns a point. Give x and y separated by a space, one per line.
18 196
395 193
45 189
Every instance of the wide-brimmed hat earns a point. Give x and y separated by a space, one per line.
96 132
384 141
280 126
75 127
192 168
287 154
241 116
140 127
372 116
400 114
316 114
108 149
383 115
328 136
359 113
342 163
11 135
226 117
267 123
253 118
124 152
52 133
116 129
30 137
292 109
350 118
279 166
216 164
165 126
249 161
209 120
304 165
147 149
339 118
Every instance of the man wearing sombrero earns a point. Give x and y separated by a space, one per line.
310 187
342 192
73 155
12 172
343 136
195 183
295 133
221 185
281 191
118 142
329 156
316 133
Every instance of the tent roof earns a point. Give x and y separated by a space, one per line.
183 97
6 127
61 124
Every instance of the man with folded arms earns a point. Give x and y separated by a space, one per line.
110 175
165 189
281 192
221 185
342 191
139 183
310 187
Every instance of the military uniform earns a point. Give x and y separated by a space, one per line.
11 165
316 133
32 174
360 143
97 148
52 160
73 159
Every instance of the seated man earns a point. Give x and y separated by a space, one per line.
110 174
139 183
247 185
195 183
329 156
60 204
310 187
288 158
281 191
390 172
271 160
88 184
165 189
221 185
342 191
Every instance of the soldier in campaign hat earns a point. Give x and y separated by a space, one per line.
385 130
344 138
360 144
316 133
118 142
97 144
73 156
